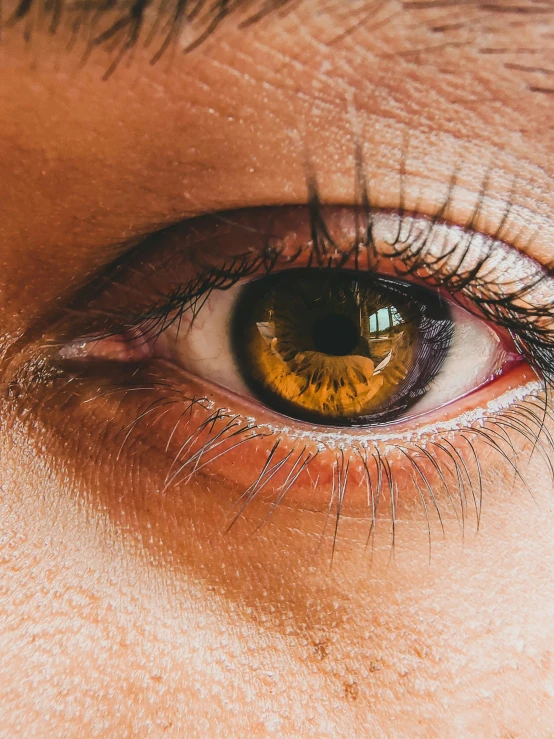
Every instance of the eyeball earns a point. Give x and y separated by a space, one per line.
338 348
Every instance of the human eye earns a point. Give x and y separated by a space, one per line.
342 359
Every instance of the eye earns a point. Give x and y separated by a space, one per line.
287 358
322 343
338 349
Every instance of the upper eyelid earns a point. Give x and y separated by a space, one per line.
459 204
184 237
506 276
123 253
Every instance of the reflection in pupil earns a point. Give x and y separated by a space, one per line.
335 334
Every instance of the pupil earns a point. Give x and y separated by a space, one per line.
335 334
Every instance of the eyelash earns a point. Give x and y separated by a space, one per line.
439 470
437 467
528 324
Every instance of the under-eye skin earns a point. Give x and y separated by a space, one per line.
384 408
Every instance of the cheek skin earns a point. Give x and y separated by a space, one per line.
355 647
148 592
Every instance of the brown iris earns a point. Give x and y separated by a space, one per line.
333 347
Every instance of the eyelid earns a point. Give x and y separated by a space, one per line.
193 421
169 276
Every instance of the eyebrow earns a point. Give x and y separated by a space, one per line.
120 25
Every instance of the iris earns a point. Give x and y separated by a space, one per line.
339 348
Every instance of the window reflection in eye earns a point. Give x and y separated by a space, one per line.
395 357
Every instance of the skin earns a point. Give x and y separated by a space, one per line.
126 611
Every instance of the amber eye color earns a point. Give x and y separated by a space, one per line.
333 347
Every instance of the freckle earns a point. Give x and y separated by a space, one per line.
320 649
351 690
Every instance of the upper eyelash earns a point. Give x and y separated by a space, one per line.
522 321
529 325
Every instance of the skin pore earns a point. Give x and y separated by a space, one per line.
128 609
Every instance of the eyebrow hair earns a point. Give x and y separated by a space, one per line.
120 25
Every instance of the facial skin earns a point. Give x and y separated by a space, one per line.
129 610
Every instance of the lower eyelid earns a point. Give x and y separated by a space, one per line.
251 458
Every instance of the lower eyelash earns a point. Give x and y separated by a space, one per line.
441 475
